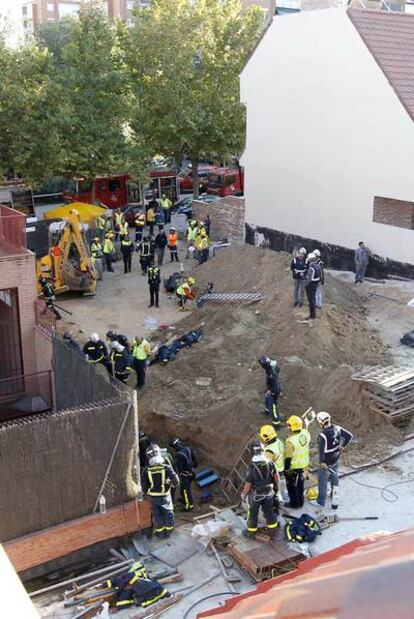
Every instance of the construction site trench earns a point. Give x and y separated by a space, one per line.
212 393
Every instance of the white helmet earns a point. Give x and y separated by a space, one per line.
94 337
324 419
302 250
317 253
312 256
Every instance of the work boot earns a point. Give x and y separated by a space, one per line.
248 534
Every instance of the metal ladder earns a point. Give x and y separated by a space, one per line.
232 484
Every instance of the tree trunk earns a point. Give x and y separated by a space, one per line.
196 184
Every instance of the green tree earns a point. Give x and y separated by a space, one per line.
94 100
185 58
29 142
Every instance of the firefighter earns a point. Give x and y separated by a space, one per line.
120 362
299 266
96 351
123 230
154 281
166 206
157 480
109 251
127 249
139 226
49 296
331 442
112 336
141 350
274 451
136 588
260 487
185 291
118 221
145 255
296 460
172 244
185 463
273 389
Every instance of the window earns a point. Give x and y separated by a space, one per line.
85 186
25 10
215 180
50 7
391 212
114 185
230 180
68 10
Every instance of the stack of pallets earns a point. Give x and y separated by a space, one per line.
390 390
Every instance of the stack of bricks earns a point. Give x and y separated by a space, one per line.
227 217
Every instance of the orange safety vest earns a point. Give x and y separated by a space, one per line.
172 240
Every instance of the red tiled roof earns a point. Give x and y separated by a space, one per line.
389 36
365 579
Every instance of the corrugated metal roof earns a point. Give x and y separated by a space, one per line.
366 578
389 36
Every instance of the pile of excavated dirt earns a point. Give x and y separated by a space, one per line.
220 415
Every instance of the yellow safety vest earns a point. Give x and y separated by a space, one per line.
277 450
181 290
100 223
166 204
300 443
109 247
141 351
123 228
191 233
119 219
96 248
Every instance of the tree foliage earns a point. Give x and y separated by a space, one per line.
185 58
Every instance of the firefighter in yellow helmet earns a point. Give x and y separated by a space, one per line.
274 451
297 457
186 291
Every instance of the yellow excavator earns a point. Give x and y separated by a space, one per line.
68 263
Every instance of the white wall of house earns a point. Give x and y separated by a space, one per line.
325 133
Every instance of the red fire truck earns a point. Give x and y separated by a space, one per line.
225 182
119 190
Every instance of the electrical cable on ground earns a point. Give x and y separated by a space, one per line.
212 595
385 489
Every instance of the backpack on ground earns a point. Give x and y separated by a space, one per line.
303 529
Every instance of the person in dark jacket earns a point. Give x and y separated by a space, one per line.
48 291
185 463
299 266
154 281
145 251
113 336
127 249
121 362
160 243
70 341
96 351
313 278
331 442
273 389
157 480
261 485
144 442
136 588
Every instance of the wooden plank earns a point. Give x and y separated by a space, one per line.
43 546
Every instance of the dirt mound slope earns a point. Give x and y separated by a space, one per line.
316 360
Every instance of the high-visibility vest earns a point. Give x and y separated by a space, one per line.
100 223
154 274
145 249
141 351
119 219
172 240
277 449
203 243
124 228
166 204
140 220
96 250
150 216
191 233
109 247
183 289
300 442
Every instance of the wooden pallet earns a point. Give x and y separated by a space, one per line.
387 377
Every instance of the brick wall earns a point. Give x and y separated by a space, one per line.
394 212
19 272
227 217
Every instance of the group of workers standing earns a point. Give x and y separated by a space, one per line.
308 275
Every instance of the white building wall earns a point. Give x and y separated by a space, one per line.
325 133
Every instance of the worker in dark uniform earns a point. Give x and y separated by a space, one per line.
154 281
331 442
144 442
273 389
120 361
96 351
157 480
185 463
136 588
145 254
260 487
70 341
297 458
127 249
113 336
313 278
49 296
299 266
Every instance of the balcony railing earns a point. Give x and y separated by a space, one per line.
13 237
26 394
